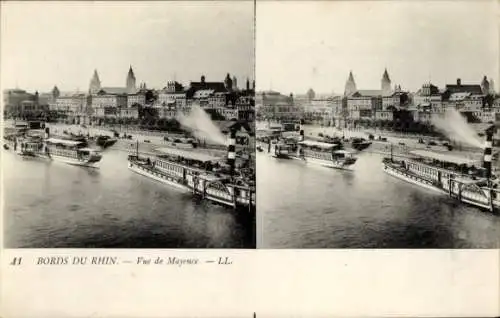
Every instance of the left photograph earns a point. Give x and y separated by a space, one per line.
128 124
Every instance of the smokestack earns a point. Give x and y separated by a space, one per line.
459 82
301 132
487 153
231 151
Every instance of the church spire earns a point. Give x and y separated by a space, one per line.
350 85
95 83
351 78
386 83
386 75
130 83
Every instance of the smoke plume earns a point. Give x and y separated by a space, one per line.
455 127
198 122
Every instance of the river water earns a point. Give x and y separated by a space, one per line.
304 206
51 204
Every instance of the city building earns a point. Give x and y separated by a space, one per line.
271 105
135 99
318 111
19 103
339 111
103 99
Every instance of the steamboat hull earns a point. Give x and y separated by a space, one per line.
157 176
91 163
323 163
223 194
281 155
481 197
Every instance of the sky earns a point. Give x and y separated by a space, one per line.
58 43
315 44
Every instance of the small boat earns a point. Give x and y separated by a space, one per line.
54 149
105 141
70 152
360 144
280 149
27 146
331 155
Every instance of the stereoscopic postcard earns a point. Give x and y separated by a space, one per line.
250 158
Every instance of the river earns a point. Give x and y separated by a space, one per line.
304 206
52 205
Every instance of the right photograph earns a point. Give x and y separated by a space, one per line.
377 124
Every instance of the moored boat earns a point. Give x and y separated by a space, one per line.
324 154
460 178
27 146
281 148
69 151
105 141
201 174
331 155
360 144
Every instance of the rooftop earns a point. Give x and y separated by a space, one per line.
202 93
191 155
63 142
319 144
455 88
444 157
369 93
459 96
115 90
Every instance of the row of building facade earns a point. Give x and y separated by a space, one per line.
223 98
478 102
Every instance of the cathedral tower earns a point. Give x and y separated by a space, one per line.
95 83
485 86
350 85
235 83
131 81
55 92
492 87
386 83
228 82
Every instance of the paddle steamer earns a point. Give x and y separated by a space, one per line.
73 152
331 155
203 175
460 178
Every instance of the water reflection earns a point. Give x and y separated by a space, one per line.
302 206
50 204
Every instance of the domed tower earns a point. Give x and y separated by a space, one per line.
55 92
310 94
386 83
485 86
228 82
95 83
350 85
130 81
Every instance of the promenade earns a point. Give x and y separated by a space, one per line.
148 141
